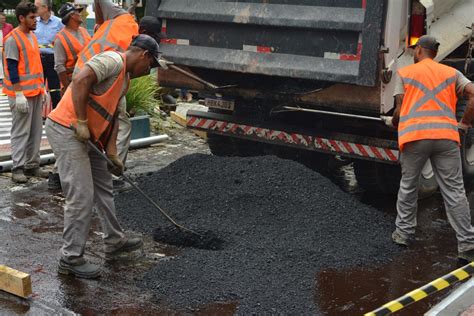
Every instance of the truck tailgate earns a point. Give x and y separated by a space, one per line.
325 40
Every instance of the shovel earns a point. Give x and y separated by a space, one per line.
111 164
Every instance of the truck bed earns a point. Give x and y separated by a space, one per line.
332 41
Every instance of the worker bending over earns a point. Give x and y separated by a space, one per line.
116 31
90 106
426 96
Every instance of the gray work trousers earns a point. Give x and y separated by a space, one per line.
446 161
26 132
124 132
86 183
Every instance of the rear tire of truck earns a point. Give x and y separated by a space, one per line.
383 178
467 148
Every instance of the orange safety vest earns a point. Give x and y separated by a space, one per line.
115 34
101 110
30 69
72 46
429 105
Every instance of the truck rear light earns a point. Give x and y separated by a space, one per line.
417 22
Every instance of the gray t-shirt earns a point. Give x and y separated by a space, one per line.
461 83
11 50
60 55
107 67
110 10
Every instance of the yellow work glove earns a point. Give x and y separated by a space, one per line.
118 167
82 133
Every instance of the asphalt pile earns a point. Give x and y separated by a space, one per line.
279 223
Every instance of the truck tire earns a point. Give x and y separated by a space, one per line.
383 178
467 148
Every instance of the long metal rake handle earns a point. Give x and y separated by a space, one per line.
111 164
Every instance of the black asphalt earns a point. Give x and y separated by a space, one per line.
280 224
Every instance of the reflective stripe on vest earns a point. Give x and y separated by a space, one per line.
430 94
30 70
101 109
115 34
429 105
72 46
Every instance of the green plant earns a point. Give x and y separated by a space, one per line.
141 96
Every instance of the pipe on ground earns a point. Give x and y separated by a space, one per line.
47 159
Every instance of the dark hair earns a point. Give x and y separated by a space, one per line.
24 8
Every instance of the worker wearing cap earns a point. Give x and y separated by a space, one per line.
88 111
117 28
68 44
24 86
426 94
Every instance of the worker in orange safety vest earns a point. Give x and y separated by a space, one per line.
426 94
88 111
24 86
69 42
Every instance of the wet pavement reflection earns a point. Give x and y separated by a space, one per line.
31 219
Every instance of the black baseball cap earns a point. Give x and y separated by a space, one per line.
66 9
149 44
428 42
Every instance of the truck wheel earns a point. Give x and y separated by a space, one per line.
467 149
378 177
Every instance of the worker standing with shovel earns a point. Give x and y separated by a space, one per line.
88 111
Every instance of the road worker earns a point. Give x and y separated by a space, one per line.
426 94
48 26
68 44
117 28
90 105
24 86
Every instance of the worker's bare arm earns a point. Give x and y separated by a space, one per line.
81 87
111 147
469 113
398 107
99 17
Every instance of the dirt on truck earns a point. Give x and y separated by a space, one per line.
311 75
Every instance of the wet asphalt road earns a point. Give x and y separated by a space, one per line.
31 225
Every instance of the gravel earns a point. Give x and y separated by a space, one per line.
280 224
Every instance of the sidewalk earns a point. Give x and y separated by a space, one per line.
5 127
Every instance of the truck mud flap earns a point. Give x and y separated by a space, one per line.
354 146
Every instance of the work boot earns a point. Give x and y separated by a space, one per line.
400 240
18 176
467 255
83 270
130 245
54 183
36 172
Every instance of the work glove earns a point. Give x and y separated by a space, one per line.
81 132
387 120
118 167
21 102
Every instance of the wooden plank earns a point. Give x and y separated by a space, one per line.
181 120
15 282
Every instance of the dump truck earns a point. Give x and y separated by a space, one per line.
310 75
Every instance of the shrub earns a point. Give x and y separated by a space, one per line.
141 96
